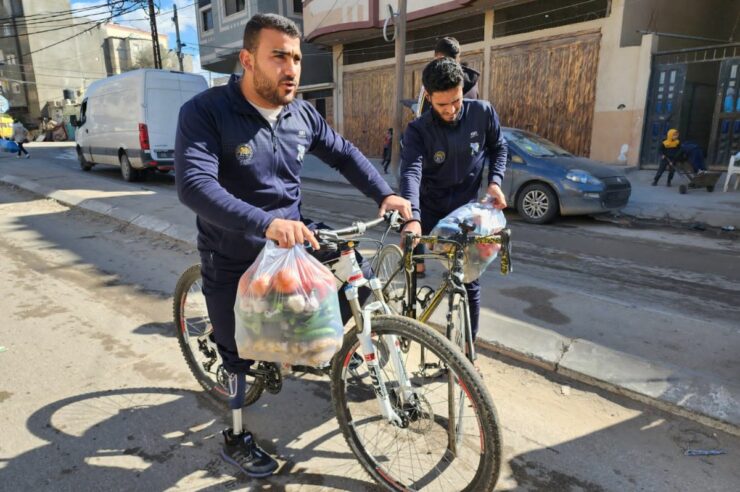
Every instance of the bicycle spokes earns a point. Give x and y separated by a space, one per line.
432 431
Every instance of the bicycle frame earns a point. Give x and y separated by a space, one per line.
363 318
452 283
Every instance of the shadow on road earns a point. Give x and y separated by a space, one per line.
156 438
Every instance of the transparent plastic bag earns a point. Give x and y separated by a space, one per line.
287 309
487 220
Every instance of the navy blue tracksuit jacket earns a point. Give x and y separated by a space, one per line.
442 165
238 174
442 168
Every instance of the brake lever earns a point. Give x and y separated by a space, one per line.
394 220
320 235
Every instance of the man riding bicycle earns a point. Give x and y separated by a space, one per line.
238 156
444 154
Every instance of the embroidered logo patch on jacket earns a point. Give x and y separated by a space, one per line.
439 157
244 153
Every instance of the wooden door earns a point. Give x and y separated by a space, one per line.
548 87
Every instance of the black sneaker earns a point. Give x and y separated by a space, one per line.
243 452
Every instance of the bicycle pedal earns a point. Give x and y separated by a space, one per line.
273 377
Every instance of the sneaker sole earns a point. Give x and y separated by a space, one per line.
233 463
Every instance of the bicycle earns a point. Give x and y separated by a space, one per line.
397 271
407 429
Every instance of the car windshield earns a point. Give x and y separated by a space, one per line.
534 145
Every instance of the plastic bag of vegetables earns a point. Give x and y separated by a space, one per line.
487 220
287 309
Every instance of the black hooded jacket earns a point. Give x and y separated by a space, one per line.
470 84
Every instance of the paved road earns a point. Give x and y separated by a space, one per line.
664 295
95 395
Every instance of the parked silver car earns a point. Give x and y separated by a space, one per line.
543 181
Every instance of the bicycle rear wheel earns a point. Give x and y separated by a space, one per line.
390 272
449 439
194 335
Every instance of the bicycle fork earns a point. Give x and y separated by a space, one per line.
363 318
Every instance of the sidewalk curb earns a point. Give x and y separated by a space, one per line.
122 214
670 389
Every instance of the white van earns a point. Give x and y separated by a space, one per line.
130 120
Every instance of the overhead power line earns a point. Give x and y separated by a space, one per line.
46 15
98 23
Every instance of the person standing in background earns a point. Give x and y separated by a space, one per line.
449 47
387 142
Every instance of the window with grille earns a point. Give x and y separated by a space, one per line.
232 7
206 19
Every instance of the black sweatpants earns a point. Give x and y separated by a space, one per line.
661 169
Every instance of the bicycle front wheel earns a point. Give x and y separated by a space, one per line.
195 337
449 438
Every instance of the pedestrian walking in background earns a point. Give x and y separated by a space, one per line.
387 143
19 136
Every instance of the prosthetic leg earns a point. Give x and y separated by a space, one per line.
237 388
240 449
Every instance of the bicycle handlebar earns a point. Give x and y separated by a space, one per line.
503 238
393 218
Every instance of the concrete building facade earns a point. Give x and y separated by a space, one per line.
585 74
48 55
220 34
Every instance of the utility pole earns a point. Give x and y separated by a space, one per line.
21 61
177 33
155 36
400 24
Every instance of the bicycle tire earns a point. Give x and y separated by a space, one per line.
486 459
187 285
389 271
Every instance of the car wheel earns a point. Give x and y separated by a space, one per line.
84 165
127 171
537 204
